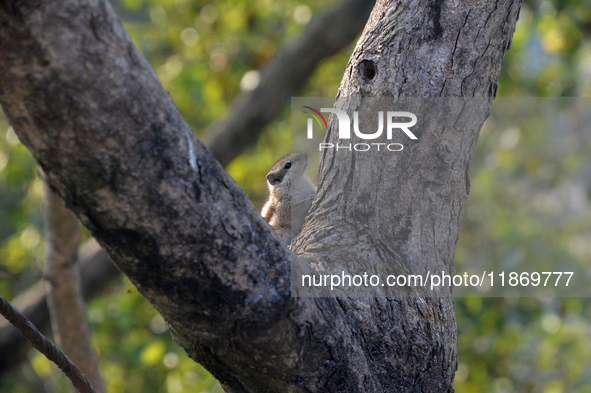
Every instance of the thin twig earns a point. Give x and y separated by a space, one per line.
41 343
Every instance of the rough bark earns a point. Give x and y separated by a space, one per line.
114 147
285 76
408 49
64 293
289 71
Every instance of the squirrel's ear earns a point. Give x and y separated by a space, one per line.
273 179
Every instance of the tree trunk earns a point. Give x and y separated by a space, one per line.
113 145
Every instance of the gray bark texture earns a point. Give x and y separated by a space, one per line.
113 145
289 71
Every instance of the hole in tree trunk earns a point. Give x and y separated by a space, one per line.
368 70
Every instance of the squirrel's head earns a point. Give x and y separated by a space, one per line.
286 169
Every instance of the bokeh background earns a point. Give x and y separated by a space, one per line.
529 200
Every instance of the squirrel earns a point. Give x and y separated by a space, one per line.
290 196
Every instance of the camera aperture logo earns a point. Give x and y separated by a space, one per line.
393 125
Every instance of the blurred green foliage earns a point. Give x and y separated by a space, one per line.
528 209
205 53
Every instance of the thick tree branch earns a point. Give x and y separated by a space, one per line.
331 31
285 76
113 145
158 202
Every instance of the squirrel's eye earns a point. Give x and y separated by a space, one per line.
288 164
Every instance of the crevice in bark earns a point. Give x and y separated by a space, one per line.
435 13
368 70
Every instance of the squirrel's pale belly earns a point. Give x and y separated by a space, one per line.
290 196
